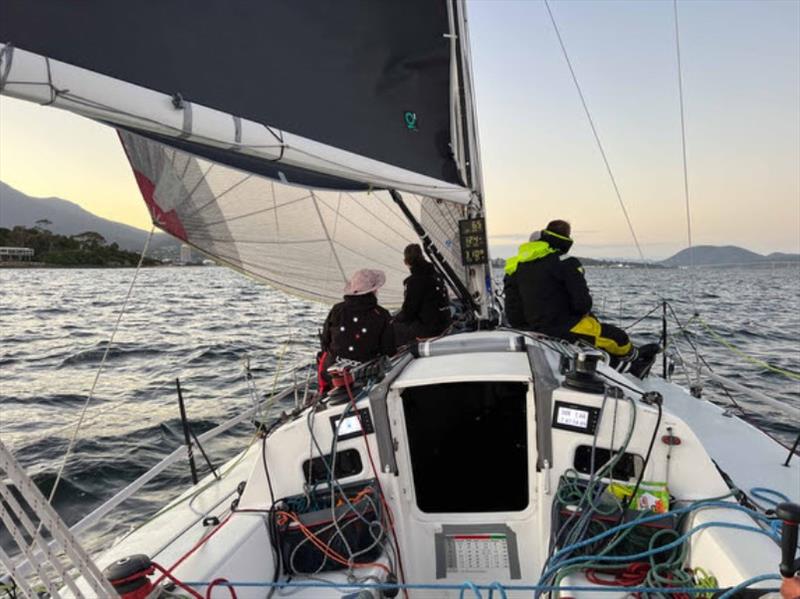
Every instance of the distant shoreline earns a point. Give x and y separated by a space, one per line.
43 265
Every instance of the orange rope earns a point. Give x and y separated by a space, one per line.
325 548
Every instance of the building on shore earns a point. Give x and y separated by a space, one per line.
186 254
12 254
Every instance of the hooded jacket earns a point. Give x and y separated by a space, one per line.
425 301
545 290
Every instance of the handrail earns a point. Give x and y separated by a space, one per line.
180 452
24 567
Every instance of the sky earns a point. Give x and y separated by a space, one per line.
741 78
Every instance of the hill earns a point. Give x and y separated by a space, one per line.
67 218
712 255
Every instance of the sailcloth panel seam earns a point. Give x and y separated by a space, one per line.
359 227
305 242
255 212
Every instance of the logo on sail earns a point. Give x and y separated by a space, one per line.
410 118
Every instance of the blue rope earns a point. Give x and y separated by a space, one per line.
470 586
743 585
760 492
638 556
495 586
654 517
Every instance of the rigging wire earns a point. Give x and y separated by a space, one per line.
597 138
761 363
692 269
692 276
89 397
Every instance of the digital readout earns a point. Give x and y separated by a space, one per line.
572 417
349 425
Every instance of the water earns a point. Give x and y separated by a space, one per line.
199 323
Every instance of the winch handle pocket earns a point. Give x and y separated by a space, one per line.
790 514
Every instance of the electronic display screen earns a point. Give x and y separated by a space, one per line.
349 425
472 233
572 417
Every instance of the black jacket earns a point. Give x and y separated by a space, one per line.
358 329
513 303
551 292
425 302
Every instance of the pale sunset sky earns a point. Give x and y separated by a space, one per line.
741 75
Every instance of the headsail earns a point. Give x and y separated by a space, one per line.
352 96
304 241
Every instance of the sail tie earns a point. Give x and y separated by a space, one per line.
6 55
54 91
180 103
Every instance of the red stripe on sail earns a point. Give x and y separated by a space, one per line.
168 221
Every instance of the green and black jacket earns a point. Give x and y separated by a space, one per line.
546 291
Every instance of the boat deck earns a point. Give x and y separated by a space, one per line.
747 455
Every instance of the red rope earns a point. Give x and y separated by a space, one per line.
220 581
168 572
632 576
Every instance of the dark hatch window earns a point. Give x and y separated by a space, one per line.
468 445
348 463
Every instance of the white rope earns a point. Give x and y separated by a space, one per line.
89 398
597 140
692 269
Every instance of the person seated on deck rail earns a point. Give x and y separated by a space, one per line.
426 307
356 329
546 291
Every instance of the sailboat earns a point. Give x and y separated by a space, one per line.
296 142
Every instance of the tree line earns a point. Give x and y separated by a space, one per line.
86 249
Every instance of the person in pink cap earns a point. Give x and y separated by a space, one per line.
358 328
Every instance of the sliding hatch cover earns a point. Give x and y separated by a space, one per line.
464 439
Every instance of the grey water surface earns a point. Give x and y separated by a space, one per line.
199 324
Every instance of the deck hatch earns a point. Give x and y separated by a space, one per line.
464 438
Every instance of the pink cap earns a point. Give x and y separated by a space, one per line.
365 281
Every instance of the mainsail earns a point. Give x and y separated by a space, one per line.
265 133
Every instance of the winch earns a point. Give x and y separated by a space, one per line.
129 576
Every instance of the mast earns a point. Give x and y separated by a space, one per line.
479 280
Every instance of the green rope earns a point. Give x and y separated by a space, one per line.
703 579
751 359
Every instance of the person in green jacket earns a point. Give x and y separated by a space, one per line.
546 291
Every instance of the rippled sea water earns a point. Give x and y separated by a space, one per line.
199 324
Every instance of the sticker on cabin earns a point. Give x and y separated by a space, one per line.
486 553
471 549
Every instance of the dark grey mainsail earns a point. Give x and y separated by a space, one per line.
227 108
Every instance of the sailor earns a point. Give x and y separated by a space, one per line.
513 302
426 307
357 329
547 292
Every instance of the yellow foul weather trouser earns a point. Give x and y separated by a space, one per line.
607 337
